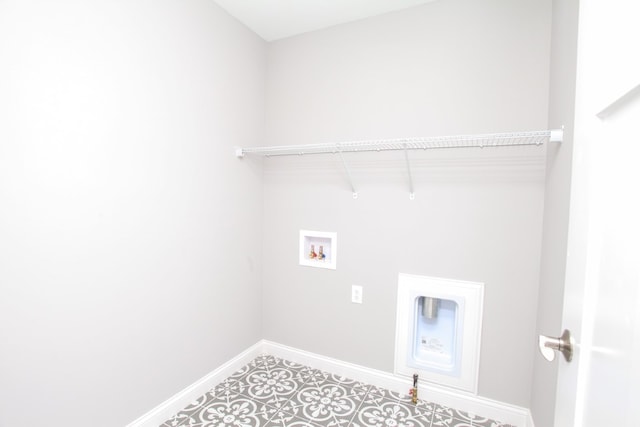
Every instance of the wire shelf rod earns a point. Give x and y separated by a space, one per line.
441 142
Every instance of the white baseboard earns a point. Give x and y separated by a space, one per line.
180 400
467 402
530 422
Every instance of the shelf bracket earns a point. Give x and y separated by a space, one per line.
619 103
346 168
556 135
412 195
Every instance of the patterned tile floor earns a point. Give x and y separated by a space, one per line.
272 392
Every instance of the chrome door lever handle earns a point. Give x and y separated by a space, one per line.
549 345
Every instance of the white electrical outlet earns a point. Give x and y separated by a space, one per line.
356 294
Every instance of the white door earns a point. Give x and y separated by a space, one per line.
601 386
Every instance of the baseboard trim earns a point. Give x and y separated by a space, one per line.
464 401
530 422
506 413
180 400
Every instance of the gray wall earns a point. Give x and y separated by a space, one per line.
450 67
130 235
556 205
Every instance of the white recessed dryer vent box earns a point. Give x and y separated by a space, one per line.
438 328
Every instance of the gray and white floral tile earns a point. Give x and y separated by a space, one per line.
273 392
326 403
391 413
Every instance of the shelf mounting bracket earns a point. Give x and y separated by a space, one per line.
346 168
412 195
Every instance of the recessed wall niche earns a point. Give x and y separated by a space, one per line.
318 249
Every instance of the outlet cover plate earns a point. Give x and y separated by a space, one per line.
356 294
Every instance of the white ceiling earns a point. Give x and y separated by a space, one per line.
276 19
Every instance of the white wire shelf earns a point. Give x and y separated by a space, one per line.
457 141
407 144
